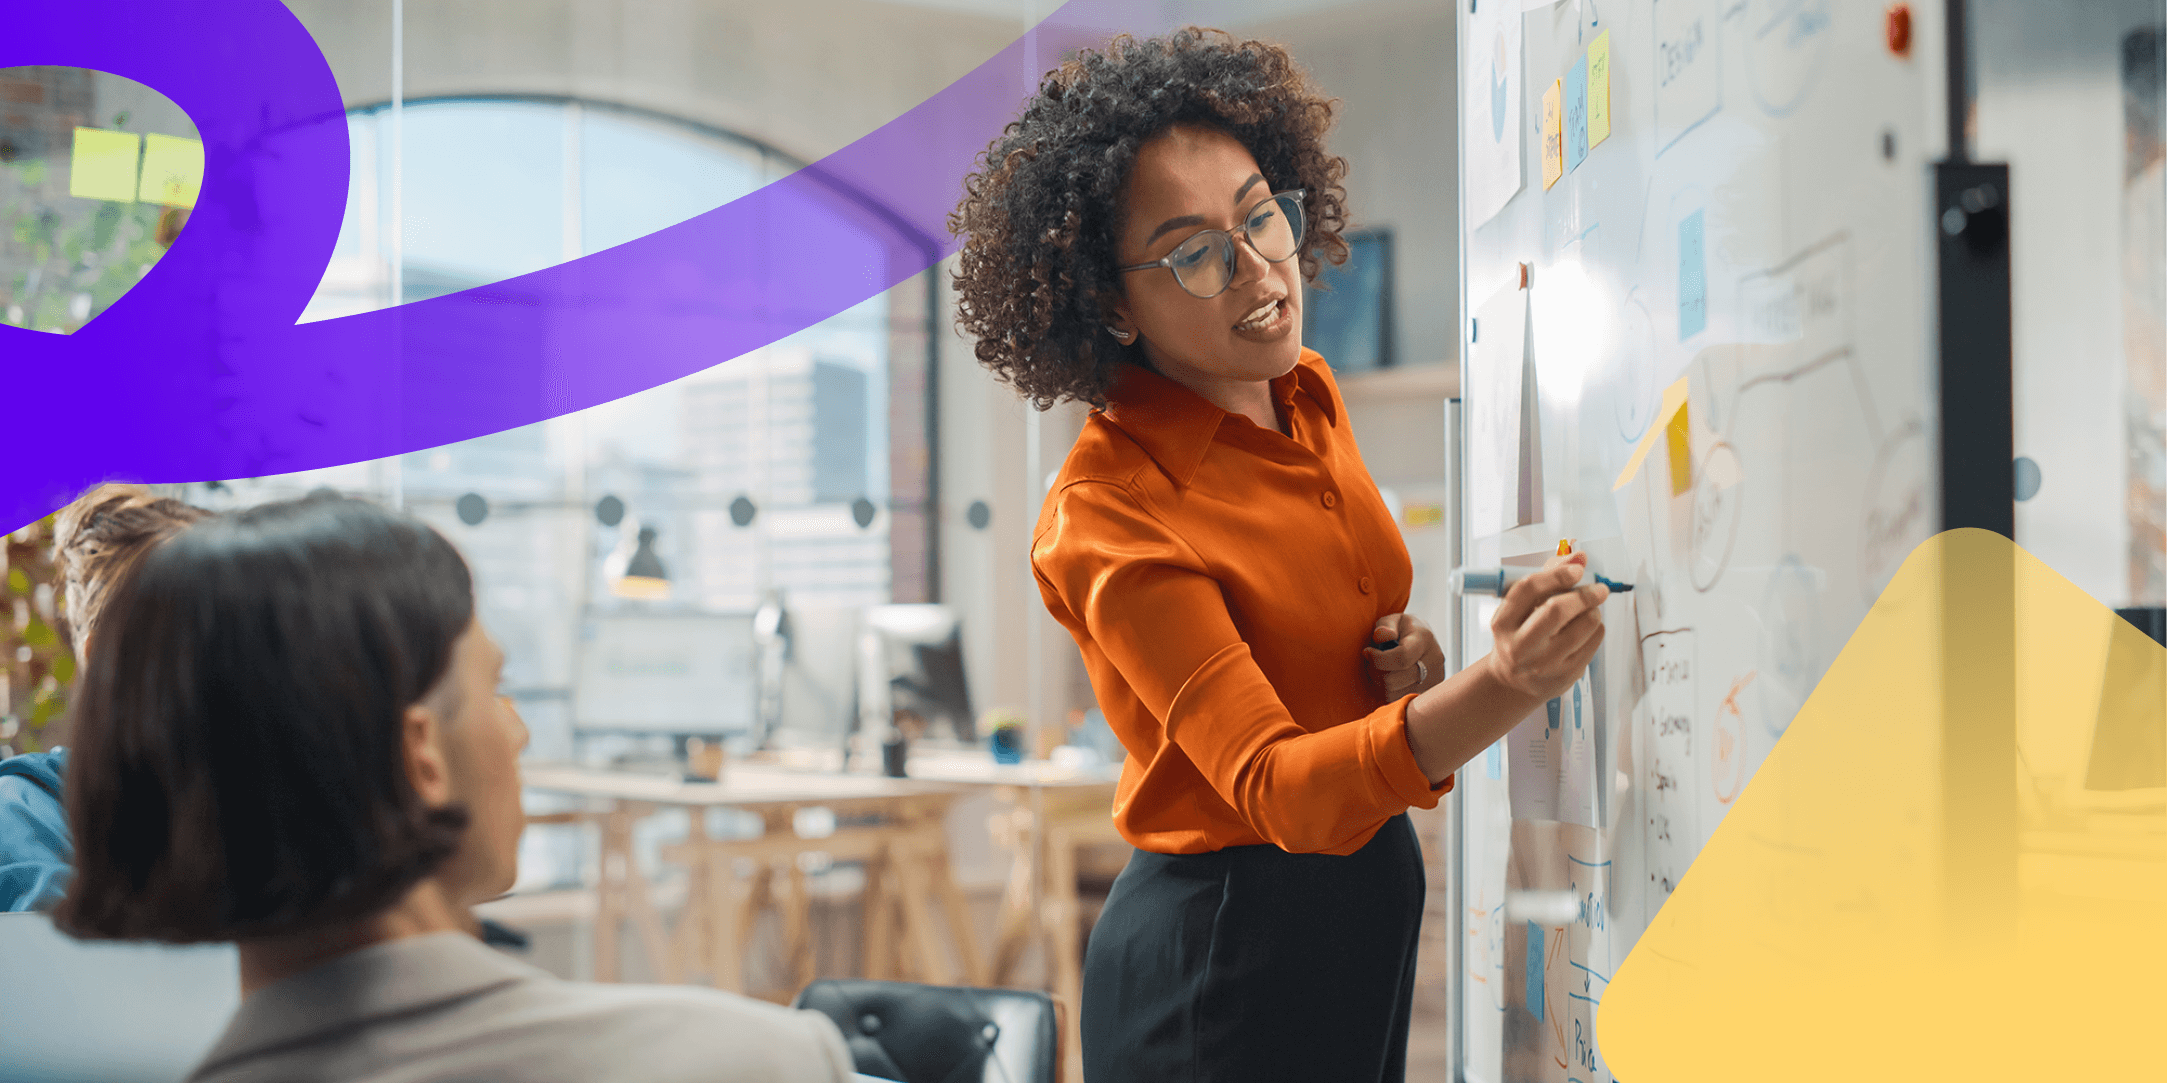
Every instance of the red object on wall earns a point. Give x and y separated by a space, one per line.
1899 28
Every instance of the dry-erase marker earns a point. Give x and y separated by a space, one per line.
1496 581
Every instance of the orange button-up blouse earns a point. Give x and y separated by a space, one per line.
1222 580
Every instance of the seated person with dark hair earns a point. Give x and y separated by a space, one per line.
290 738
95 539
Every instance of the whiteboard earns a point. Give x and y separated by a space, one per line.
665 673
1729 294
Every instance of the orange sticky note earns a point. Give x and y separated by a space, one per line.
1553 133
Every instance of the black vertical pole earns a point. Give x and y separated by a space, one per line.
933 331
1976 369
1959 81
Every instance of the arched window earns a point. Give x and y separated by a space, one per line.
449 194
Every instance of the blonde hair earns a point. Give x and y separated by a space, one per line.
100 536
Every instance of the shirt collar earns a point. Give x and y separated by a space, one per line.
1175 426
380 980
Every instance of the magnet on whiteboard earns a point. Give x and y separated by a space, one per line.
1897 23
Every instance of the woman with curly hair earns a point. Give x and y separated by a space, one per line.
1137 241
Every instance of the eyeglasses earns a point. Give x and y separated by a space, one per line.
1204 264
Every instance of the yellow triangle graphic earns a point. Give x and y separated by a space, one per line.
1824 932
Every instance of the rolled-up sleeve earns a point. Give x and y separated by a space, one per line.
1146 599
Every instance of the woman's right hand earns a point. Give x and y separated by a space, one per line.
1547 629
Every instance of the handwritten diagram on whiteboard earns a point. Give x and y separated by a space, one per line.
1716 380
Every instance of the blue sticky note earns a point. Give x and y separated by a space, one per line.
1576 113
1493 762
1692 278
1534 970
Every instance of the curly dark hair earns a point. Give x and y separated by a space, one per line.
1040 218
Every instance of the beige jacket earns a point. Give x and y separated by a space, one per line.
444 1008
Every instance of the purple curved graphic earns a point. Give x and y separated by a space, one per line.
200 372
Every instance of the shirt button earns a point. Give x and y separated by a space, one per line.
1330 500
1366 584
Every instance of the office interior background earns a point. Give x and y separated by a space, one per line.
869 461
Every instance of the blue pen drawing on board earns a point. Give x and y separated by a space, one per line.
1692 278
1788 47
1576 113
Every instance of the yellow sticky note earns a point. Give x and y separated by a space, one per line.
1553 134
1681 452
1673 405
172 170
1599 88
103 165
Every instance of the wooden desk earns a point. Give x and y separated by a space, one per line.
905 852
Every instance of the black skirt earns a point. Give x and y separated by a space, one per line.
1252 964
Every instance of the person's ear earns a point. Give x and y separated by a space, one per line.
1118 321
421 735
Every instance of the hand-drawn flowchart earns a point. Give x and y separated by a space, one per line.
1742 431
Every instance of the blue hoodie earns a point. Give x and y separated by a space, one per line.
35 848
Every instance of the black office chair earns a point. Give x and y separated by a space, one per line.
941 1034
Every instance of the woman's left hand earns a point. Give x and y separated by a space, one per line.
1416 665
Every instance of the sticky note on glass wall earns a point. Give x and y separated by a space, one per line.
1576 114
172 170
1553 130
103 165
1680 445
1692 277
1599 88
1534 969
1674 403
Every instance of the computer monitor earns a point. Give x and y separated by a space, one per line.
666 673
913 659
812 686
111 1011
2129 740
